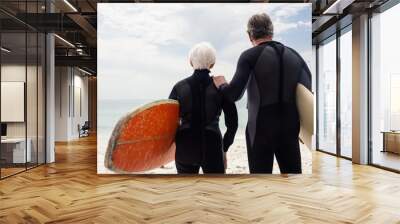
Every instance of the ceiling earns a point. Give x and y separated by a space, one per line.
76 22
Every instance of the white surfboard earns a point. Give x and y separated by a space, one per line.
305 106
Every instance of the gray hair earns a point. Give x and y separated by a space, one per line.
260 26
202 56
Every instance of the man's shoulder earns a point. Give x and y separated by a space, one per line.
293 53
246 52
251 53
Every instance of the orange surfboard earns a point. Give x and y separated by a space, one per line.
143 139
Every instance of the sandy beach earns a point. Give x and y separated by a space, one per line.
237 161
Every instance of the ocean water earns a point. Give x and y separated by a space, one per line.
110 111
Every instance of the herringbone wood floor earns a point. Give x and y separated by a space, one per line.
70 191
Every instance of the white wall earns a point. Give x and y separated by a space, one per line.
16 73
33 126
12 73
62 81
70 84
79 110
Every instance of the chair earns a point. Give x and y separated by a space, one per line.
84 130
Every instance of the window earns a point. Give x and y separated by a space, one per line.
385 89
22 77
327 96
346 92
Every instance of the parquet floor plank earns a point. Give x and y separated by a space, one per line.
70 191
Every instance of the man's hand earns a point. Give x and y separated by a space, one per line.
225 161
219 80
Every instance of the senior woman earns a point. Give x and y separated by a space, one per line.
199 143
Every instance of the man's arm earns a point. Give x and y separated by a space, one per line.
305 77
235 89
231 123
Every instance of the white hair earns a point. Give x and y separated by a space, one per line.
202 56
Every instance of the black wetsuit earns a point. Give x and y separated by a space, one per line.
198 140
270 72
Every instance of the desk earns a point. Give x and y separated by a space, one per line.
13 150
391 141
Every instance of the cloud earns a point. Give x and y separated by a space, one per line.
289 10
142 48
157 25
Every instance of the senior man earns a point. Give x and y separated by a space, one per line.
270 72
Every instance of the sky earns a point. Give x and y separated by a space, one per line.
143 48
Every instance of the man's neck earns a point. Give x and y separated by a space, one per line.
262 40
